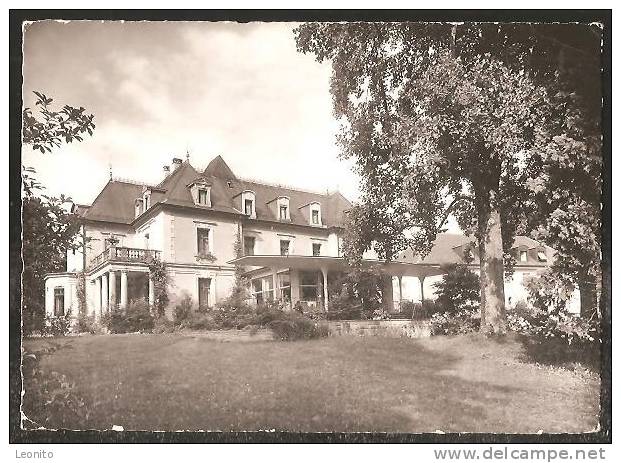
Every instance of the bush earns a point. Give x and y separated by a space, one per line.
556 336
183 310
459 289
546 291
293 326
462 322
416 310
56 326
135 318
49 395
163 325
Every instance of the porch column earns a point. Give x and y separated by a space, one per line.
98 291
324 272
123 289
111 290
400 278
275 283
151 292
104 292
421 279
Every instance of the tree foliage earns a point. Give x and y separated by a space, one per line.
458 290
48 231
446 119
49 129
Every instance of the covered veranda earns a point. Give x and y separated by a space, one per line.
271 269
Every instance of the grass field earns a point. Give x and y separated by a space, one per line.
190 382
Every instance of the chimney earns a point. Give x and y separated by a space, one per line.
166 171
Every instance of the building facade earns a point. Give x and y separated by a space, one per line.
202 224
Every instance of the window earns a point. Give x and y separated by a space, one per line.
315 217
316 249
249 245
204 286
284 284
308 286
541 256
284 247
203 197
59 302
283 212
248 206
146 202
138 207
202 241
523 256
257 290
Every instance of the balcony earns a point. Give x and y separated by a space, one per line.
123 254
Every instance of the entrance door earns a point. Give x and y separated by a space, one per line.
204 285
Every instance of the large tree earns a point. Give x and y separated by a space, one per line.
443 119
49 228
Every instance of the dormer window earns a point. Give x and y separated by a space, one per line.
248 204
315 214
283 208
201 192
203 197
138 207
146 201
523 256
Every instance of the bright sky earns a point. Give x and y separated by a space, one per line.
156 89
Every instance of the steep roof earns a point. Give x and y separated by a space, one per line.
449 248
115 203
218 168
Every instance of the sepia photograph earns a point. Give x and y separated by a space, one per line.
311 225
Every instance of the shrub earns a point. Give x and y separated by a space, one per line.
546 291
163 325
462 322
417 311
57 326
459 289
49 395
135 318
293 326
183 310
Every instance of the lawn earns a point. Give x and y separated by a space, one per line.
191 382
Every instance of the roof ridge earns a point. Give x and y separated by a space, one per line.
281 185
132 182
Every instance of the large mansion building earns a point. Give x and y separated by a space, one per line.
202 224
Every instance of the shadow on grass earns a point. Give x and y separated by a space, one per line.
346 384
556 352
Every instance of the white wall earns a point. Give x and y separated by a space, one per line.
267 240
69 284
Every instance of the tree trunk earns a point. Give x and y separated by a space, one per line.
482 279
493 315
588 298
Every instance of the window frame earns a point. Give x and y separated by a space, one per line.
288 252
313 245
209 235
59 297
203 191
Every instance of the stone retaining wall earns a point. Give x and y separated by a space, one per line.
388 328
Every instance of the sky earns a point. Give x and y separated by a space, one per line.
161 89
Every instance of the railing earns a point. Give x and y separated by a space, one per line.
123 254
